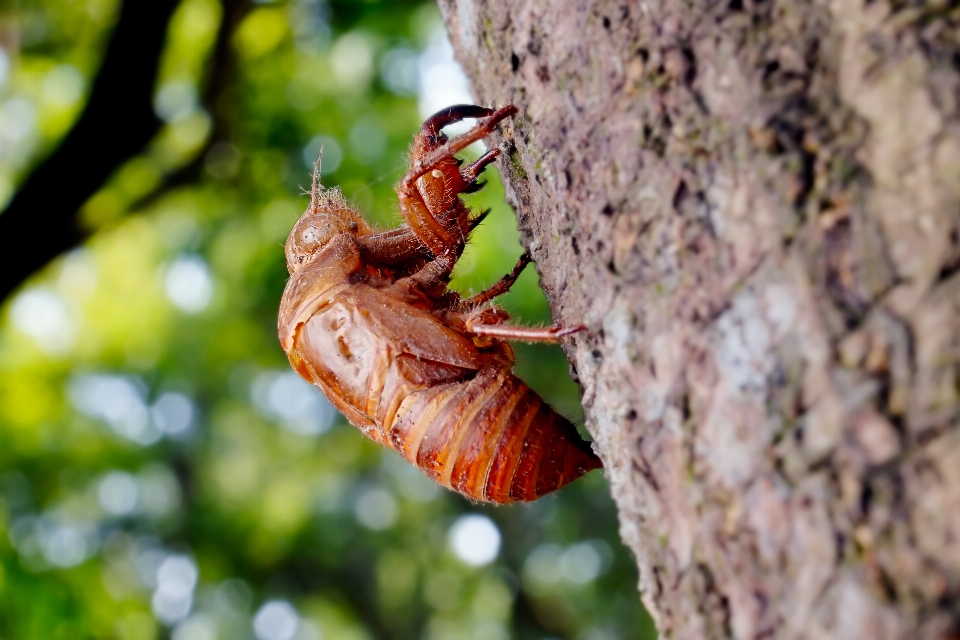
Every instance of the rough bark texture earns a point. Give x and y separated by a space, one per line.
755 207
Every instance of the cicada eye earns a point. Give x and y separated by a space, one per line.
309 237
314 230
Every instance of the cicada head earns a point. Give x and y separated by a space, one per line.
328 215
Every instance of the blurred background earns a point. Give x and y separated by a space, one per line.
163 472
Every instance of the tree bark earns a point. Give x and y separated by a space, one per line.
755 208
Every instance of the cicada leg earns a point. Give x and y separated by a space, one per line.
427 228
473 170
489 322
397 246
524 334
431 126
434 272
431 280
427 225
500 288
430 160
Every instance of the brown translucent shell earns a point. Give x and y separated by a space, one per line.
367 318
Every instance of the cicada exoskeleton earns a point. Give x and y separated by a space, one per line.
367 317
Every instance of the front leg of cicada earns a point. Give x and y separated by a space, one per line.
423 207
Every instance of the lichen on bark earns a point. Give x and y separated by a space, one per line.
755 208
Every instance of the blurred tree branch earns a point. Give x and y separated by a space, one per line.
117 123
216 86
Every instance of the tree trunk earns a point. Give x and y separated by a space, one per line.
755 208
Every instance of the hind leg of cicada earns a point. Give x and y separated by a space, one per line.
489 322
476 324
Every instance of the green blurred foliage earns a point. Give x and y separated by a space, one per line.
163 473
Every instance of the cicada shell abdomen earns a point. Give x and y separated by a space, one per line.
458 414
491 438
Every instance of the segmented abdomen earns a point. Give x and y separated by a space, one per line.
490 438
469 423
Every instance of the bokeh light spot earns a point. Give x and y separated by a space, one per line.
175 101
62 86
63 544
18 119
188 283
42 314
4 67
276 620
475 539
173 597
542 565
490 630
442 81
376 509
261 32
159 491
399 71
233 595
118 493
173 413
196 627
310 22
352 60
117 401
367 141
78 275
580 563
299 407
